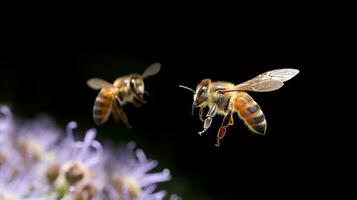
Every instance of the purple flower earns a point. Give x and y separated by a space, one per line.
6 123
175 197
18 184
36 164
37 137
130 178
8 155
77 170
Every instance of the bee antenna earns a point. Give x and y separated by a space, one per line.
187 88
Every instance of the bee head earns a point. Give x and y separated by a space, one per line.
137 85
201 95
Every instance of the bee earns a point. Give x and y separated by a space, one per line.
225 98
112 97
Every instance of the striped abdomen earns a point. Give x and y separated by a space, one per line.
103 106
250 112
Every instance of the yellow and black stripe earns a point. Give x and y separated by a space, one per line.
250 112
102 106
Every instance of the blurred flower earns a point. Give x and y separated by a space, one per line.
8 155
78 170
18 184
130 178
175 197
6 123
36 164
37 137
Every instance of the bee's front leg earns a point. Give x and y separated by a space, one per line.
140 100
201 114
208 121
136 103
227 120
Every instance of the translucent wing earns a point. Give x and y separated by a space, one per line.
282 74
266 82
97 83
152 70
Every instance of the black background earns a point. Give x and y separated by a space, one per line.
47 74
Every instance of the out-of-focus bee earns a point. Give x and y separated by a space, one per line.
224 98
125 89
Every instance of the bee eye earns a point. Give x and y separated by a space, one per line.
132 84
202 91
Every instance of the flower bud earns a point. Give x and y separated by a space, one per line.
74 174
85 191
52 172
2 159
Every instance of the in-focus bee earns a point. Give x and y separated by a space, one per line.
125 89
224 98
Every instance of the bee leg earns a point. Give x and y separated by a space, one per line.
116 111
208 121
136 103
201 114
124 119
227 120
231 121
140 100
119 114
116 115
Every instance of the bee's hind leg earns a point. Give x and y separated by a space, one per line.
227 120
208 121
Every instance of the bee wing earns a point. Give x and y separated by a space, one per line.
152 70
97 83
282 74
266 82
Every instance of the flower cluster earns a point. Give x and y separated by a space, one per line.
36 163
